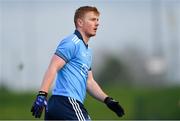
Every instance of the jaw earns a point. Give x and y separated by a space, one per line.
91 34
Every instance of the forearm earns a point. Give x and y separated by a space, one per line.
48 79
95 90
56 64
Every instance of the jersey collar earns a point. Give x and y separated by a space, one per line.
78 34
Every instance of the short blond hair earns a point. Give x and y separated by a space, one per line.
80 12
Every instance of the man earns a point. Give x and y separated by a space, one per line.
72 63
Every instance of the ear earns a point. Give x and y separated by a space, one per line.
80 22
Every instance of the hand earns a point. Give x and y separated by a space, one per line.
114 106
39 104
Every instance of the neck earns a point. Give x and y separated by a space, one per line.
85 38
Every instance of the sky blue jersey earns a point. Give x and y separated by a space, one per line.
72 77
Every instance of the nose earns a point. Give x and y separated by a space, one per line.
97 22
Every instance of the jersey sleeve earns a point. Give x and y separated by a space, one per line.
65 50
91 59
90 69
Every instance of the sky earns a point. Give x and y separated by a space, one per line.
30 31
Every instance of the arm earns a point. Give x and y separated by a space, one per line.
41 101
55 64
94 89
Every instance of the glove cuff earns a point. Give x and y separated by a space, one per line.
43 93
107 100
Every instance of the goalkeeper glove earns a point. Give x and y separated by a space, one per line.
39 104
114 106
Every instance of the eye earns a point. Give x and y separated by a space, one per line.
94 19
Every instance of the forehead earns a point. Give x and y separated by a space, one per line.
91 14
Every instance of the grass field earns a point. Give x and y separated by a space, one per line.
154 103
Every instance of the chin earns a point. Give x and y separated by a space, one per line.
93 34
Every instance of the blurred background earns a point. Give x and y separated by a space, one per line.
136 54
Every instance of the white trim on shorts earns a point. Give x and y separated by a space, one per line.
77 109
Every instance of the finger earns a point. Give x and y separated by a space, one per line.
40 112
46 108
35 108
119 114
119 110
37 111
38 115
32 108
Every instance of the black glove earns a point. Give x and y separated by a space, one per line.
39 104
114 106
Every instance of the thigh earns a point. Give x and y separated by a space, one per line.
54 110
78 110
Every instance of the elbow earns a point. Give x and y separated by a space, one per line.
90 83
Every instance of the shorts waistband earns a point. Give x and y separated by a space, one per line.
66 98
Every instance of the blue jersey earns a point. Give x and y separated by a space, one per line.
72 77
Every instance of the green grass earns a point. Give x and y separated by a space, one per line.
163 103
139 103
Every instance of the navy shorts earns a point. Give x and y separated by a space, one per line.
65 108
